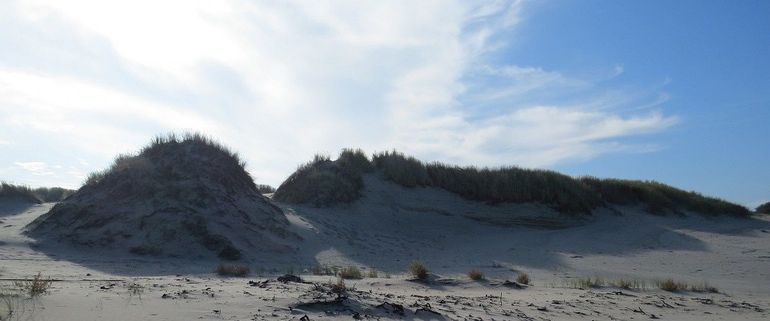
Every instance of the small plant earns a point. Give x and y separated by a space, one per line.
475 275
419 270
322 270
232 270
630 284
671 285
351 272
36 286
372 273
586 283
523 278
339 288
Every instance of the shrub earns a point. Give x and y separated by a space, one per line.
35 286
523 278
671 285
764 208
419 270
372 273
351 272
233 270
475 275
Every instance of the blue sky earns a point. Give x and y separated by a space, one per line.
675 91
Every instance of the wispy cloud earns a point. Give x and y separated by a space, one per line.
281 81
36 168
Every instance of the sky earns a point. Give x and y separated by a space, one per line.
673 91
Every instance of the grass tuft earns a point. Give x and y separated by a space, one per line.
475 275
36 286
232 270
419 270
350 272
523 278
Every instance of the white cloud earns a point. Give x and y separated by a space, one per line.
36 168
279 81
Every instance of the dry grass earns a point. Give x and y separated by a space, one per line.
671 286
419 270
372 273
586 283
36 286
351 272
233 270
630 284
523 278
475 275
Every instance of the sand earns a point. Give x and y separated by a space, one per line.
387 230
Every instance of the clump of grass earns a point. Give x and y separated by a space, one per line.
233 270
630 284
419 270
351 272
523 278
671 286
372 273
36 286
586 283
339 288
475 275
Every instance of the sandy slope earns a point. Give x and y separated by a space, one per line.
387 230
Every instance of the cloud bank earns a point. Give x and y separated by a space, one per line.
281 81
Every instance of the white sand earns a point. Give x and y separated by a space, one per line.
388 229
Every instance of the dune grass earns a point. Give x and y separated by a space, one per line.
764 208
36 286
35 195
350 272
232 270
419 270
475 275
324 182
523 278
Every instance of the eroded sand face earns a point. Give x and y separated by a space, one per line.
732 255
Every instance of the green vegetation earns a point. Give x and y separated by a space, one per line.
372 273
165 159
232 270
36 195
351 272
419 270
764 208
323 182
659 198
475 275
